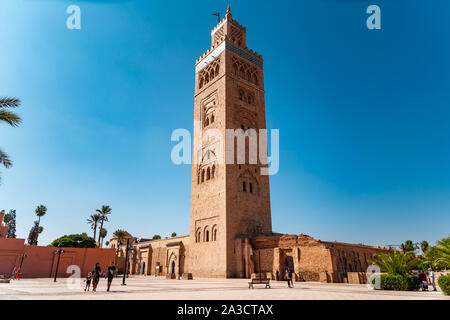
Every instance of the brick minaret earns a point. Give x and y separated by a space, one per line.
229 202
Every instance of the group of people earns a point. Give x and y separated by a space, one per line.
16 273
424 280
94 277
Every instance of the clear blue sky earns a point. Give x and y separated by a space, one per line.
363 115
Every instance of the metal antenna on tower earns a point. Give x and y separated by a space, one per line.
217 14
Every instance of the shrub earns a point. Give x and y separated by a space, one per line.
399 282
444 284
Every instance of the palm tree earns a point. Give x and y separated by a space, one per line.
120 236
409 246
40 212
103 212
103 234
424 246
93 221
10 118
440 254
395 262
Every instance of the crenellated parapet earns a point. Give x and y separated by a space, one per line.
230 34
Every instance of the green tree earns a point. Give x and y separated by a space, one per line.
424 246
10 118
10 221
395 262
174 234
34 234
74 241
93 222
103 212
409 246
439 256
103 234
156 237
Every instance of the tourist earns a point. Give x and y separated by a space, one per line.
18 274
289 277
88 281
424 283
432 278
96 276
13 275
111 272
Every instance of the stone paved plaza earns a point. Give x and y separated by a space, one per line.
150 288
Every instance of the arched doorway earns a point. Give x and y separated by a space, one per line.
172 267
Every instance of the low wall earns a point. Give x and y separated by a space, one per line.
40 262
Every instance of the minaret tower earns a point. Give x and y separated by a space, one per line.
230 202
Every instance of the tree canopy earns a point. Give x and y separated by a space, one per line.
74 241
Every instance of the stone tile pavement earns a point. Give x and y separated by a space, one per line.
151 288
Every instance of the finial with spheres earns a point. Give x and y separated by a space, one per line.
229 12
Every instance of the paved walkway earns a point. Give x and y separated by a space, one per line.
150 288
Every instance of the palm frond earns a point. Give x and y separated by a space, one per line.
10 117
9 102
4 159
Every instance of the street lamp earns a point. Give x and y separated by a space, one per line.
58 252
125 272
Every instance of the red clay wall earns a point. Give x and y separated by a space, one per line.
40 262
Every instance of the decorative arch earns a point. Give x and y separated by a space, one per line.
206 234
214 233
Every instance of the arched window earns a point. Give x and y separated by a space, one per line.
251 187
206 78
249 76
207 236
203 175
206 122
212 119
244 186
241 96
208 174
217 70
213 172
198 236
201 83
249 99
214 234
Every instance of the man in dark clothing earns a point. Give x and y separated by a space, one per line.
111 272
278 275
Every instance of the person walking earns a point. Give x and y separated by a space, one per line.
423 278
13 275
96 276
289 278
111 272
18 274
432 278
88 281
